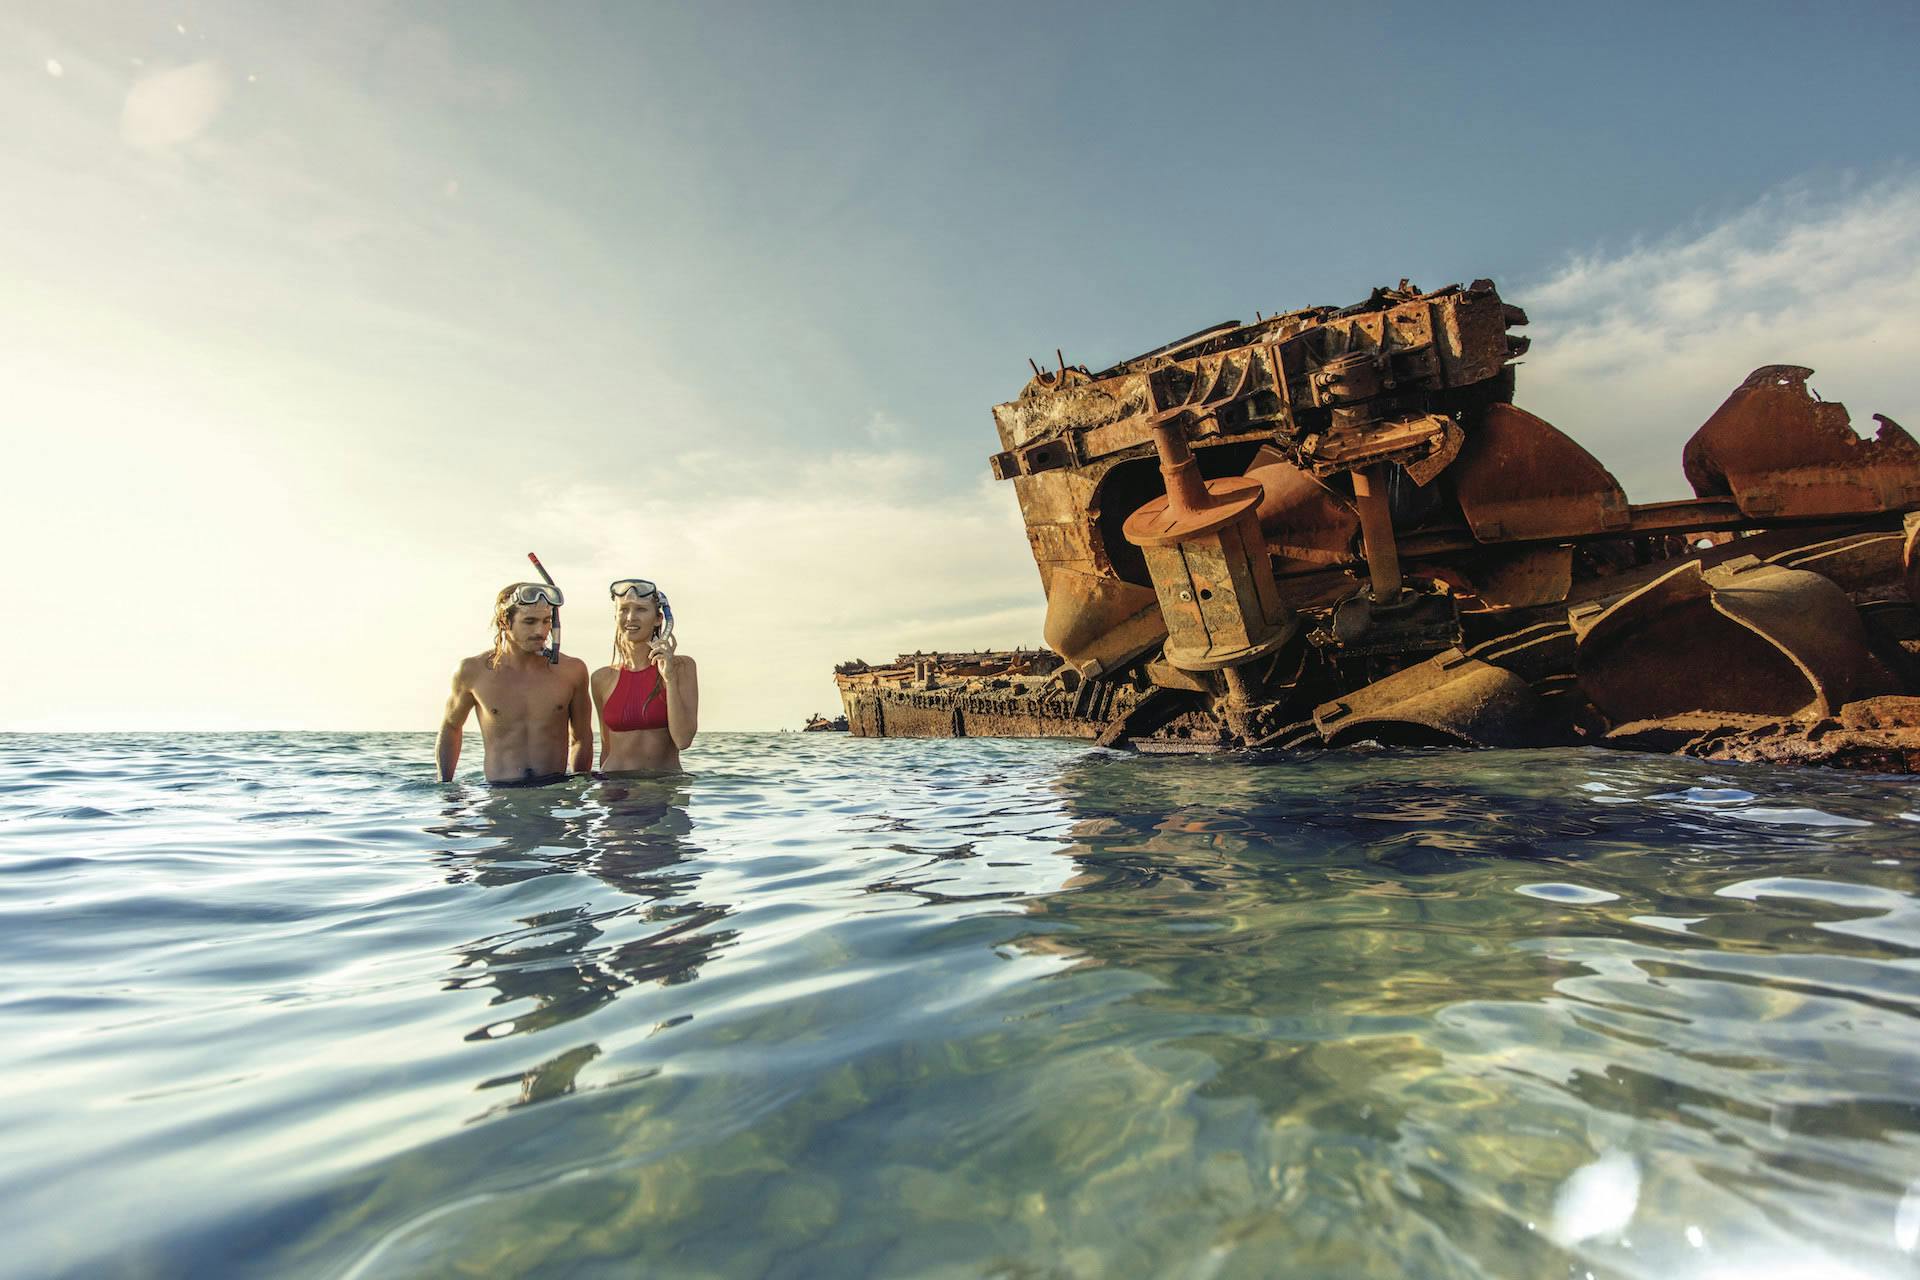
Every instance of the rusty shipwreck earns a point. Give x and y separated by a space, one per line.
1335 526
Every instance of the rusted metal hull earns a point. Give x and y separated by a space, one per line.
1781 453
995 694
1878 735
897 714
1334 526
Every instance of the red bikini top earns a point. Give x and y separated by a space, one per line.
637 701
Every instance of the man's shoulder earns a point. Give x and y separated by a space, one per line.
471 669
571 667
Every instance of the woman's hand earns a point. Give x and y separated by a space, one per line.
660 653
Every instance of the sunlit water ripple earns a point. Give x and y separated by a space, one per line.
281 1005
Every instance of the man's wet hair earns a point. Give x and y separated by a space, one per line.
504 610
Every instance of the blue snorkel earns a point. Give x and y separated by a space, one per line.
553 642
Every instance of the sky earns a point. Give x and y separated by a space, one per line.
316 319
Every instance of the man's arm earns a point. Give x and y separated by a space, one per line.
580 725
453 722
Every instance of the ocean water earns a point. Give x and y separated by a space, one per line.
282 1005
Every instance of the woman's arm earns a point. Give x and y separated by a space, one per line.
682 680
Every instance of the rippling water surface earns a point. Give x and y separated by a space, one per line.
281 1005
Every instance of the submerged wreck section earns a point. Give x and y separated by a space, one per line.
1334 526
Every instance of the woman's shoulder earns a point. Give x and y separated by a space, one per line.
604 677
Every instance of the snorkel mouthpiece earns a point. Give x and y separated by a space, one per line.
553 639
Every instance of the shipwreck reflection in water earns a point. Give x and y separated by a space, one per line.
575 957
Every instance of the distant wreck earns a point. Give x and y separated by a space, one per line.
1334 526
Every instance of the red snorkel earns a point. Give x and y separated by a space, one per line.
553 643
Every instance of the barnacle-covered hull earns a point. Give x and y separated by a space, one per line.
1335 526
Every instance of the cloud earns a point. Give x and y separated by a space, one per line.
175 106
884 429
779 567
1633 349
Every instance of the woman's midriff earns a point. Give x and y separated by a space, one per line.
642 751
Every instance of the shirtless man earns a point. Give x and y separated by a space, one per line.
528 706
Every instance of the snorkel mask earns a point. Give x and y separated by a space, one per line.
535 593
525 593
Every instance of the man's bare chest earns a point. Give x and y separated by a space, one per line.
517 696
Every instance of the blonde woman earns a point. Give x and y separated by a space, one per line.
649 699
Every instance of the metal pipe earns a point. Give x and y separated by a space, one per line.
1239 689
1186 490
1376 532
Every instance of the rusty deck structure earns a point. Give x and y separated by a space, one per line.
1335 525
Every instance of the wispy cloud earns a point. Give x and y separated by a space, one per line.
1635 347
779 567
174 106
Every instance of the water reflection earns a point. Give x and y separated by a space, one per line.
877 1008
1457 994
568 960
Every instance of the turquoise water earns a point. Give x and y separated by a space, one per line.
280 1005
